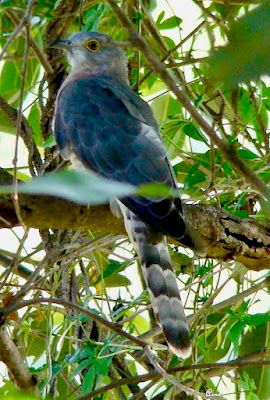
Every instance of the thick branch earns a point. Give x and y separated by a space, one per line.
226 236
16 365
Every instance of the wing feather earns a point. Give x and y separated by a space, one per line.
113 132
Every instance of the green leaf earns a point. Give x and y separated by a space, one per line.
113 267
181 261
160 18
194 177
228 171
93 17
235 333
240 213
156 190
248 113
9 392
165 106
83 364
103 364
117 280
140 323
10 81
247 55
256 319
190 130
89 380
80 187
246 154
174 138
266 95
5 3
253 341
34 122
50 142
5 124
170 23
171 45
10 76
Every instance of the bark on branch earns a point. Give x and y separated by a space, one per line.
226 236
16 365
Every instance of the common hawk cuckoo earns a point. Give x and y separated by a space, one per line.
102 125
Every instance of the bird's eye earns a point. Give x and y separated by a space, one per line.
92 45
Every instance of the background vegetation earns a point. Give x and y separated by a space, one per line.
74 316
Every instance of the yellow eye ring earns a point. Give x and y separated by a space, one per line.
92 45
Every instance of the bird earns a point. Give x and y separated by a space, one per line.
101 125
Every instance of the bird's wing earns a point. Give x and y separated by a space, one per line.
113 132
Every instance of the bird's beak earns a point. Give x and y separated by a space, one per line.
61 44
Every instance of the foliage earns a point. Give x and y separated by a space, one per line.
242 60
77 186
69 353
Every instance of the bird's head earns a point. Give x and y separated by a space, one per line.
94 51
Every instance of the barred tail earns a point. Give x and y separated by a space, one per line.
160 281
164 293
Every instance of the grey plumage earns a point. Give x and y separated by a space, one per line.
110 130
159 277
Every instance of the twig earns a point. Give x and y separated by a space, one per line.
216 307
140 395
262 127
23 20
110 325
15 261
22 270
18 129
240 296
175 383
38 52
211 299
170 52
217 20
25 132
49 258
155 375
187 61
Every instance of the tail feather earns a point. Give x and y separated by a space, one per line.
160 281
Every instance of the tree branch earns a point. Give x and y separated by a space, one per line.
174 382
215 307
114 327
19 27
226 237
253 359
39 54
17 368
25 132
